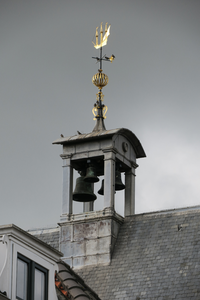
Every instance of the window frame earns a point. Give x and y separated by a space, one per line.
32 266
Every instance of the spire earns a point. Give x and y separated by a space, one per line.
100 79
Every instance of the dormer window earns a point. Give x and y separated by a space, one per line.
32 280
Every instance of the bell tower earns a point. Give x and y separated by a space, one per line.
89 238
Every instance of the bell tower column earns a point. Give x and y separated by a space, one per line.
109 177
89 206
67 186
129 203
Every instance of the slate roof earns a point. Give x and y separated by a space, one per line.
156 257
48 235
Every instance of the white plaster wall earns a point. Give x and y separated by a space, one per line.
3 256
3 263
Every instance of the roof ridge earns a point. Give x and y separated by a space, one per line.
166 211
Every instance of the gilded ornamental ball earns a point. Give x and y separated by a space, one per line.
100 80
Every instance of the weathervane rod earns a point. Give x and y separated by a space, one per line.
100 79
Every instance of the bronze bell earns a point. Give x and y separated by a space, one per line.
83 191
91 175
118 182
101 191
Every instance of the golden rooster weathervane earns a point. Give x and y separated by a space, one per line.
100 79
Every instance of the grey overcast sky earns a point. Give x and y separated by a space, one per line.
46 89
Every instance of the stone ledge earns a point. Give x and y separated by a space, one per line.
106 213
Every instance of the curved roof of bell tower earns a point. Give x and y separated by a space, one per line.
104 134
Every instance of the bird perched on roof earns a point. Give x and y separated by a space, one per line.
61 135
79 132
179 227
